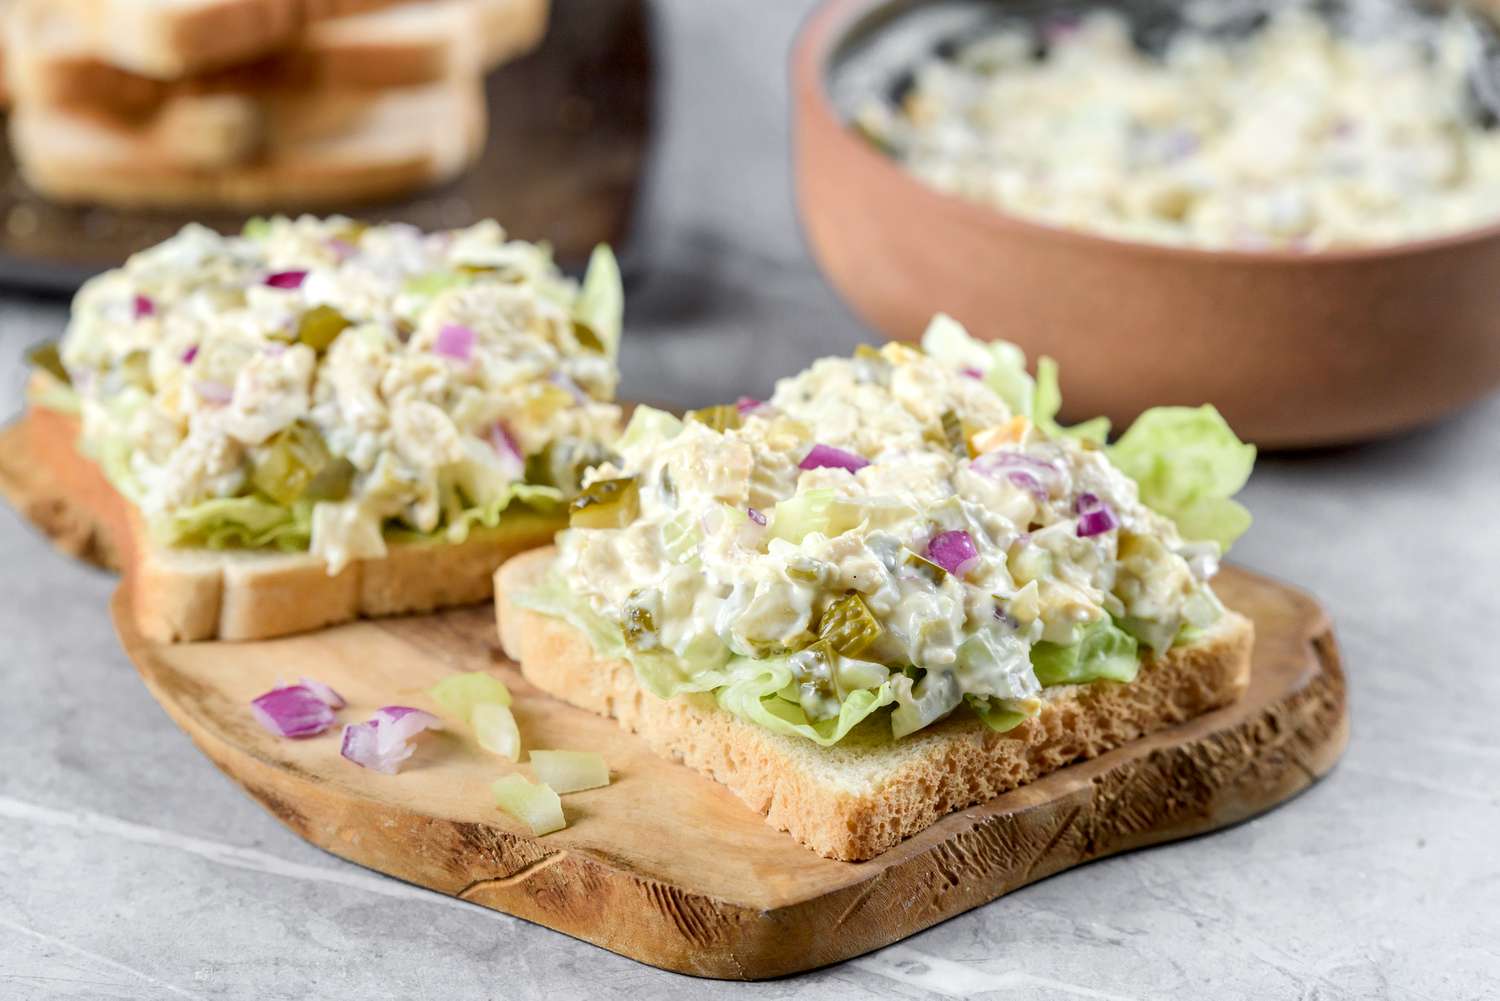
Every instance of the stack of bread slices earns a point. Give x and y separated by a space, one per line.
252 104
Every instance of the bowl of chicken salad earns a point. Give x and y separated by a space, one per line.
1290 209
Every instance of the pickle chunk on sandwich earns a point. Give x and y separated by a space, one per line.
898 560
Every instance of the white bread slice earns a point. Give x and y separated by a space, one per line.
167 39
397 142
867 793
187 595
406 45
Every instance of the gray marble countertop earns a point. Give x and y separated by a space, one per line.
134 870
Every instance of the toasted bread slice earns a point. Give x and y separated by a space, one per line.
185 595
406 45
167 39
858 798
396 143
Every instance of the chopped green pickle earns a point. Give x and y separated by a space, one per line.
563 462
320 326
724 417
47 358
849 626
331 483
924 567
296 465
136 369
587 338
606 504
639 626
953 433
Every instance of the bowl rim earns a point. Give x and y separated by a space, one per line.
828 26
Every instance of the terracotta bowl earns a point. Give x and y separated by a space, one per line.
1296 349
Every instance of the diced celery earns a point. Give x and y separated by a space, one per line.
460 693
535 805
495 728
798 517
570 771
681 536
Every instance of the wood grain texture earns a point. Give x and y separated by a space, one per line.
666 866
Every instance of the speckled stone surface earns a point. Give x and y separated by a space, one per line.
133 870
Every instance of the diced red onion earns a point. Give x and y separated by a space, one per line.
213 392
1094 516
189 355
385 740
1026 481
286 279
828 457
954 552
455 341
505 445
756 516
747 405
324 692
971 372
144 307
342 249
1046 474
295 711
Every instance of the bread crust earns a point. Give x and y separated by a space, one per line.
182 38
190 595
400 141
409 44
866 794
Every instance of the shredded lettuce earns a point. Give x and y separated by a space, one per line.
1002 364
924 701
1049 402
752 693
649 424
1188 464
1105 653
601 302
999 715
238 523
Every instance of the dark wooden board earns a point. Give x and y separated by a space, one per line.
664 865
570 129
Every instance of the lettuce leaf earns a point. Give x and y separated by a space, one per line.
999 715
1105 653
1188 463
601 302
1049 403
751 693
238 523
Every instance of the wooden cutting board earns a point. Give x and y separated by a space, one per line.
666 866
